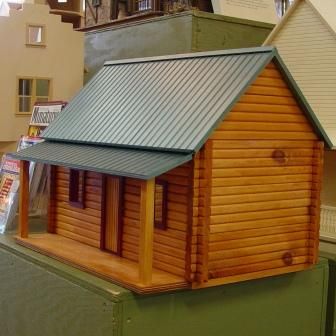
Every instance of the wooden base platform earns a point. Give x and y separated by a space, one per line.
102 264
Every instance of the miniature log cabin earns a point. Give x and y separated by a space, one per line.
182 171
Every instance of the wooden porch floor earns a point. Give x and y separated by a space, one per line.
102 264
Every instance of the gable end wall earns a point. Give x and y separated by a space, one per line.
263 203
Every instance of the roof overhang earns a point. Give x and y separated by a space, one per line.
134 163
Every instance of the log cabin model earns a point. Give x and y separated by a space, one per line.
184 171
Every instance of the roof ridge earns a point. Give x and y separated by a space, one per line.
226 52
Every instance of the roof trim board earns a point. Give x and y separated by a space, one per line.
264 49
107 160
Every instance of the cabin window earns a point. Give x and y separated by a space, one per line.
30 91
160 205
76 188
35 35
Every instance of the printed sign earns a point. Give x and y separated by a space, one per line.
44 113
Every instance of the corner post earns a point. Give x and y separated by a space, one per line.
146 231
24 199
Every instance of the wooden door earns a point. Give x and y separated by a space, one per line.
112 230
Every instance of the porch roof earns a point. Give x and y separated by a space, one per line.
141 164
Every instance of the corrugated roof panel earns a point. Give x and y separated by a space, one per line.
115 161
171 103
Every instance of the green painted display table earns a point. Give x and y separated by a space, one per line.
328 250
40 296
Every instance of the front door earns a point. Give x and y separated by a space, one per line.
112 230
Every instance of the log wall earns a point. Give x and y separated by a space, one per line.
170 244
263 178
82 225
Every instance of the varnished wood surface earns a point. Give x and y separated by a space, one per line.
146 231
251 276
24 199
169 244
264 183
112 214
83 225
102 264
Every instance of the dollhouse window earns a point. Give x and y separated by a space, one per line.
30 91
160 205
35 35
76 188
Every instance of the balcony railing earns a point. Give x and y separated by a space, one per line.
166 6
328 223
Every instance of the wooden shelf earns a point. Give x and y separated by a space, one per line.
102 264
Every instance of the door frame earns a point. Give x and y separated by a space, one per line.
104 214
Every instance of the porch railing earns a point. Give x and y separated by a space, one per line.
328 223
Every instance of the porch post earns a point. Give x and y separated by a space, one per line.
24 199
146 231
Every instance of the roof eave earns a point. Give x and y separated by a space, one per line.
265 49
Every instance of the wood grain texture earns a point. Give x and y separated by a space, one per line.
24 199
102 264
172 240
52 199
316 200
113 213
83 225
146 231
263 211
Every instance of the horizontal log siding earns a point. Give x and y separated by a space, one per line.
263 205
169 252
199 233
83 225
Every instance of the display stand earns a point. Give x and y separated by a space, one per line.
328 250
42 115
40 296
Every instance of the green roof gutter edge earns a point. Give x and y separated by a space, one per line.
227 52
302 100
118 146
178 162
238 96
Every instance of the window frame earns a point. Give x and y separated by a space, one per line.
162 225
76 194
33 97
41 44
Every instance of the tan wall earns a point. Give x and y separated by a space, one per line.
308 48
6 147
61 60
261 174
329 179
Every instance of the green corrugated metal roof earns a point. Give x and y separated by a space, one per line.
169 103
165 103
115 161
